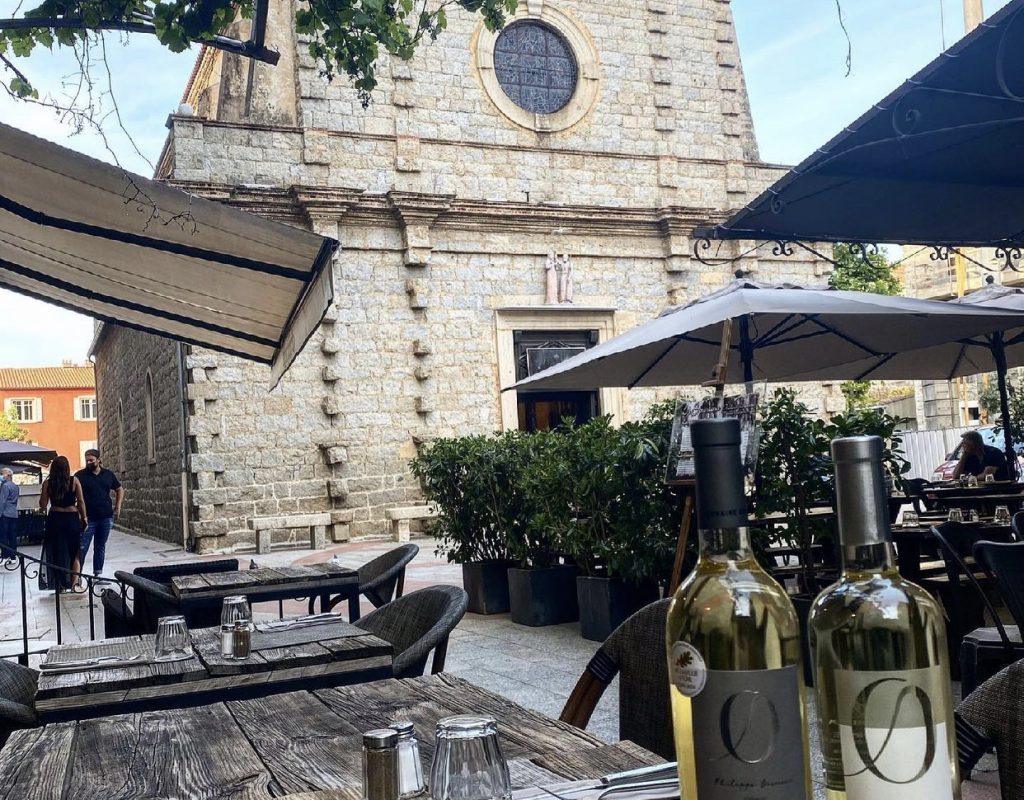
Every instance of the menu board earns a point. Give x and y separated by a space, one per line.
680 455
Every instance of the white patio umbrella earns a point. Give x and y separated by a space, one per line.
783 332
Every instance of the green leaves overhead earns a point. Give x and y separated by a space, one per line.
344 36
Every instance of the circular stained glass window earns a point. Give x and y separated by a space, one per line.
535 67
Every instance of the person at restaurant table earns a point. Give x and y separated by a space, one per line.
65 522
97 484
9 492
981 459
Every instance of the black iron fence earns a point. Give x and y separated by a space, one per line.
35 572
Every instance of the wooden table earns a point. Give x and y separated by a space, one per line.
277 583
283 659
910 542
297 744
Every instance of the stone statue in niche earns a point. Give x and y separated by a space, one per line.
558 279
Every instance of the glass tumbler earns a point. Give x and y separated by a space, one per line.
956 515
972 481
1002 515
173 641
990 478
910 519
468 763
234 609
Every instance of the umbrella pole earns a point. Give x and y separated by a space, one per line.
999 355
747 354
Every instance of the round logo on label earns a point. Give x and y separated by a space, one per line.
689 672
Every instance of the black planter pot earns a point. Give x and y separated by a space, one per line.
802 604
486 583
605 603
544 596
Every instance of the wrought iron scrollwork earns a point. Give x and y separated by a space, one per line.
777 204
940 252
864 250
782 248
1011 255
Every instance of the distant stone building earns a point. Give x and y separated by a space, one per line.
494 179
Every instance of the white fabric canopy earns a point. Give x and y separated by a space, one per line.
96 239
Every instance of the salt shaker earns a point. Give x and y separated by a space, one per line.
380 765
242 640
410 768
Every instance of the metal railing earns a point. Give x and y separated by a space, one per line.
29 568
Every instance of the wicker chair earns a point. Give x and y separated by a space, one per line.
416 624
17 698
382 579
994 715
153 598
636 651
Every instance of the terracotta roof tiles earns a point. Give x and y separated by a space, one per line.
47 377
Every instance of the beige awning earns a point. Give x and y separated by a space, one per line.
93 238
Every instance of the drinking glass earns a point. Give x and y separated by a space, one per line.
1002 516
234 609
172 639
955 515
972 515
972 481
468 763
910 519
990 478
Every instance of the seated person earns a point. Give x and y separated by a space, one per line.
978 458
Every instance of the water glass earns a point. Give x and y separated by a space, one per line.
173 641
910 519
468 763
972 515
972 481
1002 516
234 609
955 515
990 478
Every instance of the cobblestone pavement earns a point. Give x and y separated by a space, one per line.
535 667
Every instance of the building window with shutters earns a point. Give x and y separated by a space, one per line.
85 408
25 409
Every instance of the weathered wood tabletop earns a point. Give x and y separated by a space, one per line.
272 583
283 658
298 743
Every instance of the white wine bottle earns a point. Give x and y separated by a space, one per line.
733 646
879 644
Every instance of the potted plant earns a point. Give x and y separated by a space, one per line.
469 480
625 518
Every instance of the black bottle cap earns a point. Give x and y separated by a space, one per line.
721 502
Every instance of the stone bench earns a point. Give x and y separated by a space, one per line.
316 523
399 519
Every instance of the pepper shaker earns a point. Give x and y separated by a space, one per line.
242 640
380 765
410 767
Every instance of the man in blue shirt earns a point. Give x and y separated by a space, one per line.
97 483
9 492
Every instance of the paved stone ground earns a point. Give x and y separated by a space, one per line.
535 667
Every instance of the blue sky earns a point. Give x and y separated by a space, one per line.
794 59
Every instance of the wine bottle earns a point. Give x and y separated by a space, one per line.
879 645
733 650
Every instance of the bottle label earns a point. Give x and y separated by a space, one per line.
748 739
892 734
689 672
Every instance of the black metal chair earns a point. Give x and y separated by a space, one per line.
635 651
987 650
915 490
965 601
17 698
1017 526
416 624
153 598
382 579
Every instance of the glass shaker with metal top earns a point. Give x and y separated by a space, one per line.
380 765
410 767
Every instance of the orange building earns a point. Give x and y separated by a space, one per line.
55 405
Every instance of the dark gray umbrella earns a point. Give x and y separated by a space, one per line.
786 333
22 451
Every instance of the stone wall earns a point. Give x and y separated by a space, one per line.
151 476
447 200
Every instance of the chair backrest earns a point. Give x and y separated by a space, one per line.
915 489
1004 564
1017 526
417 623
636 652
996 711
379 577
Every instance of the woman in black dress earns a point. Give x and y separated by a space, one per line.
65 522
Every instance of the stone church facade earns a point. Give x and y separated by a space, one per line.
494 179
